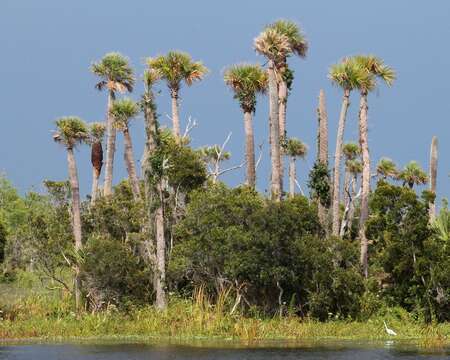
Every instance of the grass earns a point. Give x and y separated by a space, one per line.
37 314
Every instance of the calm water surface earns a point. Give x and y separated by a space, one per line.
356 351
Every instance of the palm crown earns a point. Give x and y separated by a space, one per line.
354 166
273 45
122 111
351 151
176 67
350 75
96 132
296 39
377 70
295 148
246 81
115 73
71 131
412 174
387 168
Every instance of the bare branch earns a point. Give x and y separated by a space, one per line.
260 146
299 187
192 123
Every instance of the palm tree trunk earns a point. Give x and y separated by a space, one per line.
351 211
175 114
129 162
322 149
365 182
433 175
346 184
337 162
274 134
94 191
250 150
292 176
156 211
76 220
110 147
161 301
282 101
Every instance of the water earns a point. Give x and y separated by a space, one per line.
268 351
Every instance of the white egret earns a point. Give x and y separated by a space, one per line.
389 331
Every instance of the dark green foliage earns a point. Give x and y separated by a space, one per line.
271 250
113 274
319 183
2 242
405 255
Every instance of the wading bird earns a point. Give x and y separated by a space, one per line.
389 331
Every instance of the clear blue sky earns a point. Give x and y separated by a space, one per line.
47 47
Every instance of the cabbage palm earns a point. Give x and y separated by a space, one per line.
386 168
294 149
96 135
298 45
348 76
70 132
412 174
247 81
377 70
122 111
275 47
115 75
175 68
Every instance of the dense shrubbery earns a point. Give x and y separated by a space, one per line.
272 258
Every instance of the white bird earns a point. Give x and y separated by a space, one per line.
389 331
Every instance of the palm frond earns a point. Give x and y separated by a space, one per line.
70 131
297 40
115 73
273 45
296 148
122 111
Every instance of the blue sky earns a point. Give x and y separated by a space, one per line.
48 45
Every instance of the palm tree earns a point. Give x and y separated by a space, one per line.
294 149
115 75
275 47
377 70
386 168
351 151
412 174
247 81
177 67
298 45
72 131
433 175
122 111
347 75
154 191
96 135
322 151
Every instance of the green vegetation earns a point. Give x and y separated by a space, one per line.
177 253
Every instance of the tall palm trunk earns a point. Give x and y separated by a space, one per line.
347 177
292 176
274 134
250 149
129 161
94 191
110 147
175 114
76 219
351 211
156 208
365 182
337 161
282 103
433 175
322 150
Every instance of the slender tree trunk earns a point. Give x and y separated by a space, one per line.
337 162
175 114
346 184
110 147
129 161
161 300
365 182
250 149
274 134
282 101
292 176
322 148
351 211
76 220
433 175
94 191
156 210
